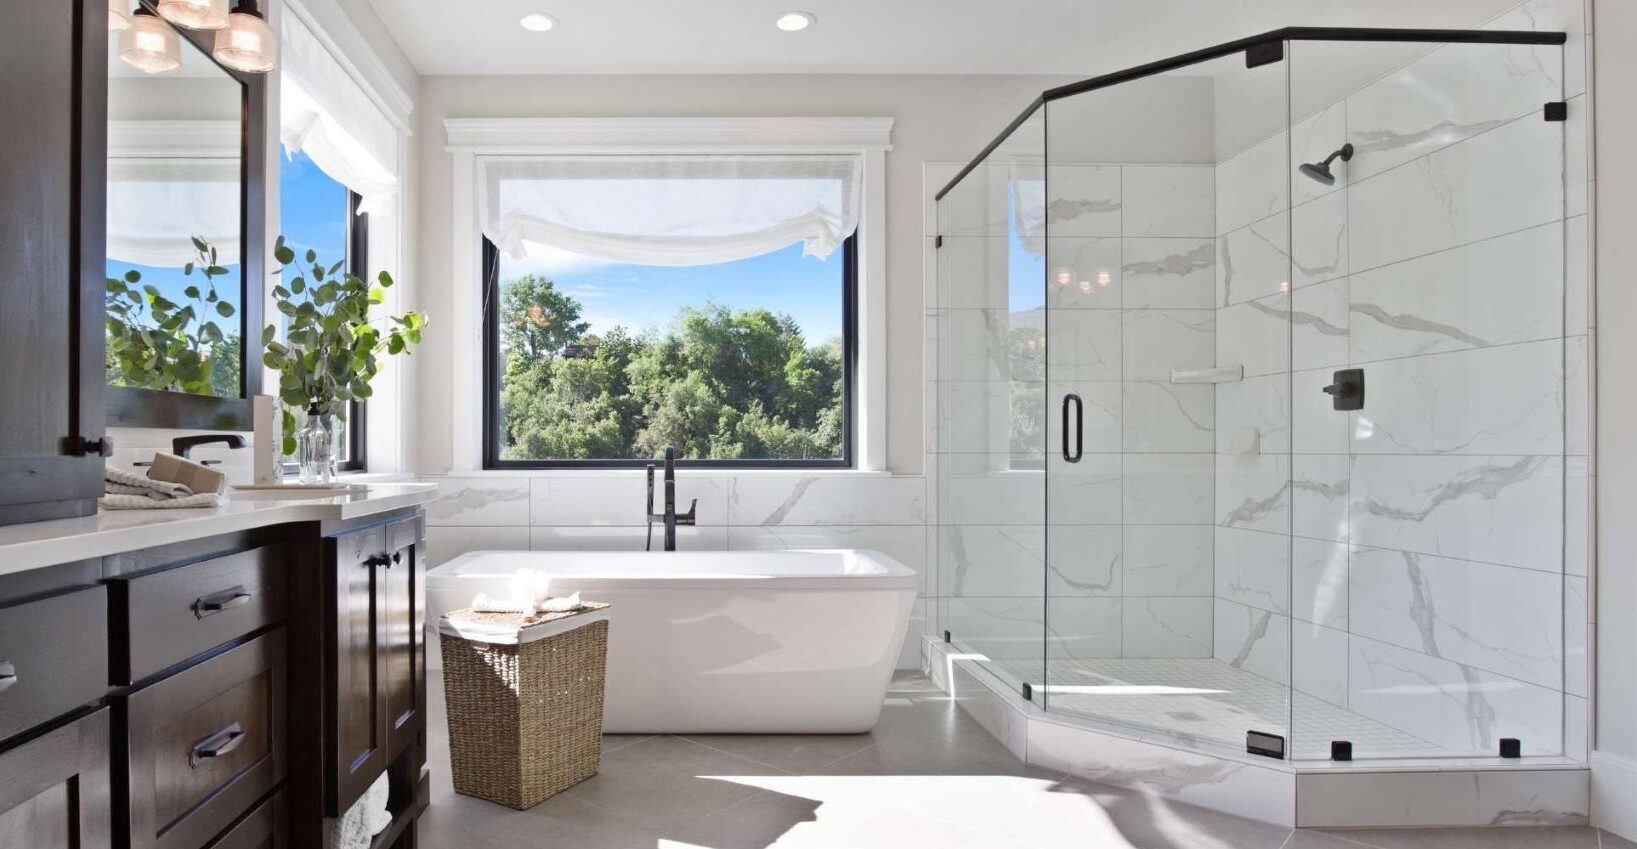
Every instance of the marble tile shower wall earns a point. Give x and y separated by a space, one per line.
1128 281
758 511
1410 562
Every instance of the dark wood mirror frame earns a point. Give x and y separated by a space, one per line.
131 407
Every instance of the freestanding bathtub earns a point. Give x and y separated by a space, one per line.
755 642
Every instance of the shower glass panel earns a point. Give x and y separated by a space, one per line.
1168 359
1427 547
989 326
1260 383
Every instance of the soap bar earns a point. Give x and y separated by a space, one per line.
195 476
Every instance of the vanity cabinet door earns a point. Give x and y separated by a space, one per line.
355 744
54 789
403 619
51 246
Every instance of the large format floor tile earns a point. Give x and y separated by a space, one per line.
928 777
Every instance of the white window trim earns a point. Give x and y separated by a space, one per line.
471 138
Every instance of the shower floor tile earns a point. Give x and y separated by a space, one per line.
1209 701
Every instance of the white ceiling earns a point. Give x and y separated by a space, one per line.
1079 37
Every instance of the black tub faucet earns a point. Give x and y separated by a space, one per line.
670 516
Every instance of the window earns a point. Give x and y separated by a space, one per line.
320 213
747 362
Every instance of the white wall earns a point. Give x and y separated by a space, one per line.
1614 756
936 118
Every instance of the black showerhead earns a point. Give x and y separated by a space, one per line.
1321 171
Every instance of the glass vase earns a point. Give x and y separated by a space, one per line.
316 447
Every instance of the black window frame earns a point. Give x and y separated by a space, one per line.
492 436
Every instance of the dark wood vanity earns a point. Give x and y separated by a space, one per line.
231 691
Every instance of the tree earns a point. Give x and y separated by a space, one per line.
536 319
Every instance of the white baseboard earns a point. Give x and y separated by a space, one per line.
1614 794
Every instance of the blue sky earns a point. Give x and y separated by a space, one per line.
643 296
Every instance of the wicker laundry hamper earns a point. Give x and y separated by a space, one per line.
525 701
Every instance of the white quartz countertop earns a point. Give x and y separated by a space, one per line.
36 544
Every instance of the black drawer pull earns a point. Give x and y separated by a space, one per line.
8 675
217 602
217 745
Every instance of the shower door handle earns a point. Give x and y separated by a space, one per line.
1079 424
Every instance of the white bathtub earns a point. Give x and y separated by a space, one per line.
755 642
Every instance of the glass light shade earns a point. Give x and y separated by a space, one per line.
247 44
150 45
195 14
119 15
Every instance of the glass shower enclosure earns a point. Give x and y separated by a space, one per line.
1249 397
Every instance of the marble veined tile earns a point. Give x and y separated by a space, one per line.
1087 492
1253 568
1168 560
1253 184
1157 341
1161 417
1507 179
1166 627
1085 200
991 416
1253 261
1506 400
1168 200
1318 578
828 500
1495 292
1452 93
1452 706
467 502
1319 486
620 499
977 345
990 560
1082 274
1167 489
1255 335
1011 628
1253 415
1084 345
1171 273
1318 665
995 489
1319 428
1318 229
1257 641
1494 509
1083 627
1253 492
1101 404
1311 140
444 542
1318 319
1576 637
1496 618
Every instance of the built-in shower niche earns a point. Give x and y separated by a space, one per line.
1160 507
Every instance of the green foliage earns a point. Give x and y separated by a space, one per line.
153 342
331 345
717 384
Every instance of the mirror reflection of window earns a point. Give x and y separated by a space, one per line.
174 180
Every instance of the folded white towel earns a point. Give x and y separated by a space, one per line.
122 501
124 482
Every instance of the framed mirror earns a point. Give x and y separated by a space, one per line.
185 230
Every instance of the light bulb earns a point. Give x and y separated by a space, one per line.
149 44
247 43
537 22
195 14
794 21
1103 278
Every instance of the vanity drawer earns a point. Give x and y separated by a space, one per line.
204 745
53 657
262 828
176 614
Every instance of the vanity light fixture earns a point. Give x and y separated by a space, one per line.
149 44
795 21
195 14
247 43
119 16
537 22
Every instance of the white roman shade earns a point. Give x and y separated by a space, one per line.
169 181
670 209
324 113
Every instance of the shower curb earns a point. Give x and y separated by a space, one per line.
1487 792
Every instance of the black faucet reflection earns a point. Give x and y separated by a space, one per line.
670 517
182 446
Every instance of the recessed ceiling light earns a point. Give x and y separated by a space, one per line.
537 22
795 21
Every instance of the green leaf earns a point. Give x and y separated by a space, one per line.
224 309
268 334
298 285
384 279
284 255
312 256
191 291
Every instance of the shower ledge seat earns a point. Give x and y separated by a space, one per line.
1311 794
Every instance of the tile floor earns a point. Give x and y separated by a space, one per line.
928 777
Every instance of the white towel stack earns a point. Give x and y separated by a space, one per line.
125 490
